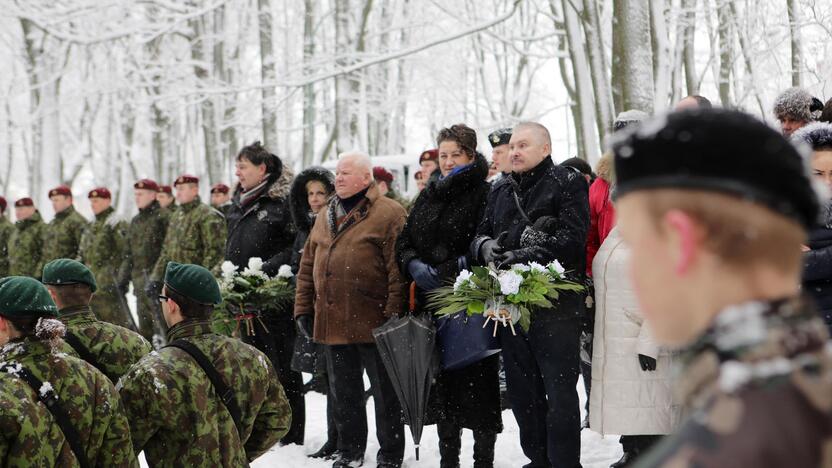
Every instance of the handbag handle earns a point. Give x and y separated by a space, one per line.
412 301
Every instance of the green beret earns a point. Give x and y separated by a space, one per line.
194 282
66 271
24 297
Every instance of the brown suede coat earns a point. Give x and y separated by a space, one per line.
348 274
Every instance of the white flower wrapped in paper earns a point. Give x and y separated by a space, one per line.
557 267
509 282
255 264
285 271
463 277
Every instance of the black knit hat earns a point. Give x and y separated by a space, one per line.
721 151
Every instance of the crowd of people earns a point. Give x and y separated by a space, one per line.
701 239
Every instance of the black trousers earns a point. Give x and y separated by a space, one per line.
278 344
542 374
345 368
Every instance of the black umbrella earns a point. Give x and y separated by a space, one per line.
406 347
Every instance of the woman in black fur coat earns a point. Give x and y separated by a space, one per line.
431 251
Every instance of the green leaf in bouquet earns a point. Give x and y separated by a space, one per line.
480 272
525 318
476 307
240 281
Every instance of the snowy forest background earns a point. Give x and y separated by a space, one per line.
104 92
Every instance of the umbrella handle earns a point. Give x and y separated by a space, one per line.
412 297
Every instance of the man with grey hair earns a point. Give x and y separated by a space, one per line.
348 284
540 214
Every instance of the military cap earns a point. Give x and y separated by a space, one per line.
194 282
25 201
146 184
381 174
219 188
3 204
61 190
66 271
166 189
429 155
100 192
712 150
499 137
24 297
186 179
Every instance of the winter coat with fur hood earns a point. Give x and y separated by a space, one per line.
817 270
263 227
299 204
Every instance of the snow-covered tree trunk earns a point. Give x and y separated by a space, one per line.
662 64
794 41
689 59
632 56
582 80
599 66
201 46
726 51
308 140
268 73
343 89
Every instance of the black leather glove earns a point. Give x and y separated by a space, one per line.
647 363
546 224
506 259
492 248
152 289
305 323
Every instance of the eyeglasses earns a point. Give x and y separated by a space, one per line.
162 298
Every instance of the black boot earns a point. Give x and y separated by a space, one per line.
484 442
327 452
625 460
450 442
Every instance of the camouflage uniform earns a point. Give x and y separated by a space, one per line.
27 435
196 234
90 399
26 247
102 251
178 420
405 203
759 385
113 349
62 236
145 237
6 228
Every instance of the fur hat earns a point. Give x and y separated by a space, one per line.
627 118
818 135
298 201
798 104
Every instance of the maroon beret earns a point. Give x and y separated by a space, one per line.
186 179
24 202
146 184
381 174
429 155
99 192
61 190
3 204
165 189
219 188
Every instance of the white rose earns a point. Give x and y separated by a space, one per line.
557 267
510 282
285 271
228 270
463 277
255 264
536 267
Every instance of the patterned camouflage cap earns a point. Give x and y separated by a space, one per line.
66 271
22 297
194 282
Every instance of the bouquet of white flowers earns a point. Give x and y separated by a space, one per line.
504 296
249 292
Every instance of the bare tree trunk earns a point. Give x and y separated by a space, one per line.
343 90
726 55
662 65
746 55
794 39
268 73
598 66
308 144
689 19
200 47
632 62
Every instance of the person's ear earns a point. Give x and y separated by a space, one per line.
683 236
53 295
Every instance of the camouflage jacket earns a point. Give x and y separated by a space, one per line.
113 349
176 416
196 234
145 237
27 435
6 228
88 396
26 247
759 385
62 236
103 245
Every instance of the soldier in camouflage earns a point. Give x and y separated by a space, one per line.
716 263
196 234
165 198
175 413
62 236
6 229
25 245
93 410
103 247
145 237
109 348
221 198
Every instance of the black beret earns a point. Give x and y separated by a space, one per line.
67 271
499 137
717 150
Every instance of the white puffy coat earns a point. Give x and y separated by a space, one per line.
625 399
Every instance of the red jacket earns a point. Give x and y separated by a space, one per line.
601 219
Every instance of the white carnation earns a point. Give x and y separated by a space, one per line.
536 267
228 270
255 264
520 267
285 271
510 282
463 277
557 267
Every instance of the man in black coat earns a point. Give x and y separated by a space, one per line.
260 225
540 213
